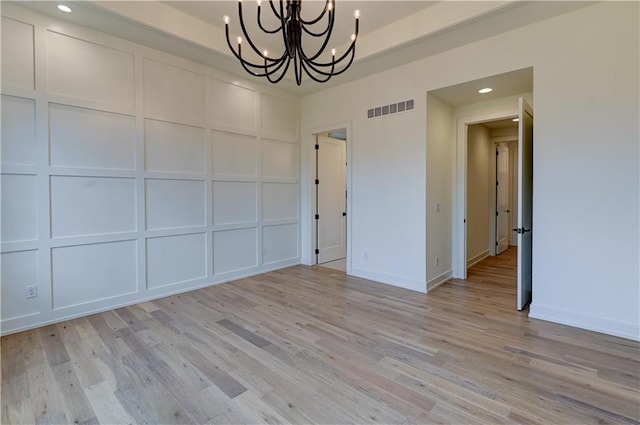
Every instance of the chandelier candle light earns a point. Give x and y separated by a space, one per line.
292 28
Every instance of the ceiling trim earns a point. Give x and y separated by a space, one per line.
435 29
431 20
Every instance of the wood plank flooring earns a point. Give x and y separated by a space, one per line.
311 345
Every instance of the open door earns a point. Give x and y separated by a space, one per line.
525 203
332 201
502 198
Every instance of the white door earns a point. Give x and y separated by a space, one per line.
525 202
332 200
502 198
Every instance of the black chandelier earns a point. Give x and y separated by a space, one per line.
292 28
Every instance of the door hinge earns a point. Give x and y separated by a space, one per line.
317 146
496 243
344 214
317 251
497 213
497 153
497 183
317 216
317 181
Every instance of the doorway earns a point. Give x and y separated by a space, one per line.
466 211
491 188
330 186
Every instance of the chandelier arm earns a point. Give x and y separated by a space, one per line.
317 67
244 31
266 72
316 20
315 34
284 55
240 58
276 63
316 78
319 34
269 69
262 27
275 11
324 43
337 61
226 28
272 68
284 72
344 55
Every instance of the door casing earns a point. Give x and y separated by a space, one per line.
308 222
459 254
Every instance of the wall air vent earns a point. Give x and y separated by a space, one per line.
394 108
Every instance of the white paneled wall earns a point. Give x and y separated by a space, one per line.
18 131
17 44
80 137
129 174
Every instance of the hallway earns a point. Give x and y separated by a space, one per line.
499 271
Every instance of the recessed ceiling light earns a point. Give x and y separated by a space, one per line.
64 8
485 90
515 119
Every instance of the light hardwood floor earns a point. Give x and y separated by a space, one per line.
310 345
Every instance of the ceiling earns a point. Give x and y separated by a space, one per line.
392 33
503 85
500 124
374 14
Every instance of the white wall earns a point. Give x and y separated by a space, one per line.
585 157
478 187
129 174
388 180
440 153
513 192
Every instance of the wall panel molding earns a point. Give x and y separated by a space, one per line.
143 181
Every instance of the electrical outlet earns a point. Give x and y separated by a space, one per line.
31 291
437 261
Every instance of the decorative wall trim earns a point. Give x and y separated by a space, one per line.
19 324
221 124
438 280
397 281
592 323
477 258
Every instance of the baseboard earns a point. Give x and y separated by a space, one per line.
32 321
398 281
591 323
477 258
439 280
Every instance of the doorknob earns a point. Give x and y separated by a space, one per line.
508 211
521 230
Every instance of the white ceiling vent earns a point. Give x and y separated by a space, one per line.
394 108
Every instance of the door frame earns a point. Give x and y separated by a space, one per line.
308 222
459 251
321 191
493 195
